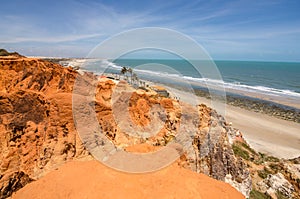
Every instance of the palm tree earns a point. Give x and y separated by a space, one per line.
124 71
135 78
130 71
143 84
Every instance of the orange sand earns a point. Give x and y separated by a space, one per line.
91 179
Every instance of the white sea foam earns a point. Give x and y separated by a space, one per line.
110 64
243 87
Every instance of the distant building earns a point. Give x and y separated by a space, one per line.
161 91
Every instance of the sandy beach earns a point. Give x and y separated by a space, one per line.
264 133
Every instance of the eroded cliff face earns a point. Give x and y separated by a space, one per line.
36 126
203 135
37 132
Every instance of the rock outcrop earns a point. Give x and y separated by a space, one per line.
278 182
37 132
280 179
211 151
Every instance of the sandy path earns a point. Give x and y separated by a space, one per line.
264 133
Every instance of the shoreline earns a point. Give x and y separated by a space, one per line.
256 103
259 105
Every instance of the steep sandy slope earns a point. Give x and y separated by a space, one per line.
91 179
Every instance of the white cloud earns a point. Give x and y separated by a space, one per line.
49 39
86 21
214 24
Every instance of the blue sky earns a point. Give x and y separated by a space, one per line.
228 30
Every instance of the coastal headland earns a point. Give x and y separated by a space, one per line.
41 149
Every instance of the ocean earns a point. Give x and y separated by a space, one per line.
268 78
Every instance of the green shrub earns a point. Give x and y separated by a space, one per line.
264 173
272 159
254 194
280 195
261 158
276 167
246 146
239 151
3 52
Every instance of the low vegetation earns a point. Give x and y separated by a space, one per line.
254 194
243 150
280 195
264 173
4 52
261 166
240 151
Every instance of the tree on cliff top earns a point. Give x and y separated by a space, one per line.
124 71
4 52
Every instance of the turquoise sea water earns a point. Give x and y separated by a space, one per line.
273 78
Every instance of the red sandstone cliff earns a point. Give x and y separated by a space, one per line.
36 126
37 133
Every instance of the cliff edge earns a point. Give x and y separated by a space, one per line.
37 133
